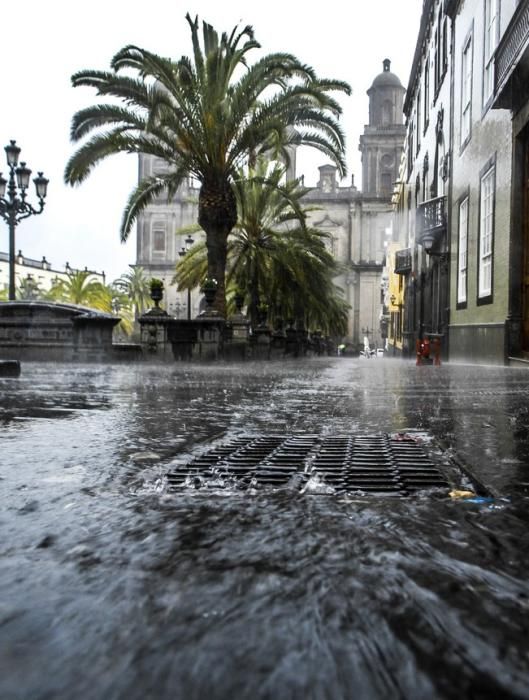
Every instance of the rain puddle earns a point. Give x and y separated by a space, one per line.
302 530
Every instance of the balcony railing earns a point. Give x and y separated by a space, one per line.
512 45
403 261
431 222
431 215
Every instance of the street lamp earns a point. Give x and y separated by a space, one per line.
428 241
183 252
14 207
178 307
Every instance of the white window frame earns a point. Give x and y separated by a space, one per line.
462 256
490 42
486 232
466 90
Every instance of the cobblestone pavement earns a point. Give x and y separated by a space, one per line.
114 587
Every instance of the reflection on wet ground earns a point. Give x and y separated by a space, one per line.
114 587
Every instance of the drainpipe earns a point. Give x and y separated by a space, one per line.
449 155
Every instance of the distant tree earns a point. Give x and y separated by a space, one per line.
79 287
135 286
205 116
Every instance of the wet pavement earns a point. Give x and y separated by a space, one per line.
114 586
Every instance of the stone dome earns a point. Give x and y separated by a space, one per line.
386 78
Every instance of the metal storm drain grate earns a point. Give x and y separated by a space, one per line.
350 464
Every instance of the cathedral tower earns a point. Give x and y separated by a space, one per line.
382 140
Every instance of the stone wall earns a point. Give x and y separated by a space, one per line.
54 332
483 343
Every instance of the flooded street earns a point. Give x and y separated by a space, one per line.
113 586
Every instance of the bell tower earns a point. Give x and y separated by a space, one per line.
382 142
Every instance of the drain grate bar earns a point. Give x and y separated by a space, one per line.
348 463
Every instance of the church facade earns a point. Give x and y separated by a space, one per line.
359 221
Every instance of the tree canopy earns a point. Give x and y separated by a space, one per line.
204 115
135 286
274 257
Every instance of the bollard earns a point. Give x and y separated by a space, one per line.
422 347
425 348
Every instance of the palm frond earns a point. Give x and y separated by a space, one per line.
95 150
86 120
143 195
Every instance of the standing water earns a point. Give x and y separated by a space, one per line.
114 586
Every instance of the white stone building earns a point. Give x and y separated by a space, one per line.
360 221
418 278
40 272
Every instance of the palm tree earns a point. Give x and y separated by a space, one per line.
78 288
205 116
114 300
135 286
274 256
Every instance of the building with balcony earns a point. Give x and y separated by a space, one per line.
479 207
511 92
398 266
459 205
419 266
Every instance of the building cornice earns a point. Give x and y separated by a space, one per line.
366 266
338 196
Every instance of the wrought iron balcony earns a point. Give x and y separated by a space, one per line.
403 261
512 46
431 222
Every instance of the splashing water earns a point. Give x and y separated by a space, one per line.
115 587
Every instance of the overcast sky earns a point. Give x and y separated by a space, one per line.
44 43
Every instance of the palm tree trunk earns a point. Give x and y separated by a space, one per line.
254 295
217 248
217 215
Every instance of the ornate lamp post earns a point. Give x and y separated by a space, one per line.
178 307
184 250
13 207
